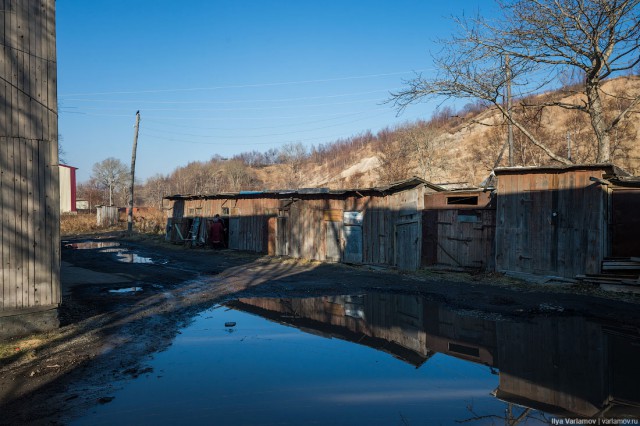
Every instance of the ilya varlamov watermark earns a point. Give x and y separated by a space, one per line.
566 421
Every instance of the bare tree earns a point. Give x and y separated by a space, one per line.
155 188
395 159
112 174
294 155
543 39
423 140
92 192
238 175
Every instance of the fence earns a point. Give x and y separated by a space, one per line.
106 215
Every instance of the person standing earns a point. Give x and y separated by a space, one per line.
216 235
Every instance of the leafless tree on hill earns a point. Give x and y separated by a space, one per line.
239 177
543 39
429 149
395 159
294 156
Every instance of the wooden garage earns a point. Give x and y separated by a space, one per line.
555 220
29 191
381 225
459 229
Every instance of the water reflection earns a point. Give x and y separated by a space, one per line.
89 245
126 290
566 366
309 361
122 254
134 258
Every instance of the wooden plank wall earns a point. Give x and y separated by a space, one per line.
551 223
465 244
29 190
307 218
381 215
251 214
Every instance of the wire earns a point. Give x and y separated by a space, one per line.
174 125
260 136
241 109
233 118
331 138
242 86
231 102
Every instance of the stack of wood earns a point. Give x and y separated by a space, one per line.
620 274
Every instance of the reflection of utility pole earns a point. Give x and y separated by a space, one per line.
509 125
133 174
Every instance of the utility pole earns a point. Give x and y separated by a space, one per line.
509 125
133 174
569 146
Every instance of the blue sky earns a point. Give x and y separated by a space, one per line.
223 77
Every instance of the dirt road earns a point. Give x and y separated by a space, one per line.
126 299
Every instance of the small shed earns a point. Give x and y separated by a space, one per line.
459 229
380 225
554 220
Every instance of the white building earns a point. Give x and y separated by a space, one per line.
67 188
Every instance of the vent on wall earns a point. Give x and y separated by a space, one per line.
467 201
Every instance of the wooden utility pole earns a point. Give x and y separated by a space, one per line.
133 174
509 124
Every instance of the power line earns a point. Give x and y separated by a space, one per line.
235 118
243 86
329 138
262 136
242 109
340 95
174 125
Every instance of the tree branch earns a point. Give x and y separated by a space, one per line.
532 138
623 114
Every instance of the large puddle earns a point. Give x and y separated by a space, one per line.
122 254
89 245
379 359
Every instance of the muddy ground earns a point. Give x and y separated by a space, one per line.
105 337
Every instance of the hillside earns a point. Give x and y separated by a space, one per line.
451 146
465 147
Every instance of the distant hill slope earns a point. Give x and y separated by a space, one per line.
465 147
451 146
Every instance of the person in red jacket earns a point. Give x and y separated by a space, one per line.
216 234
